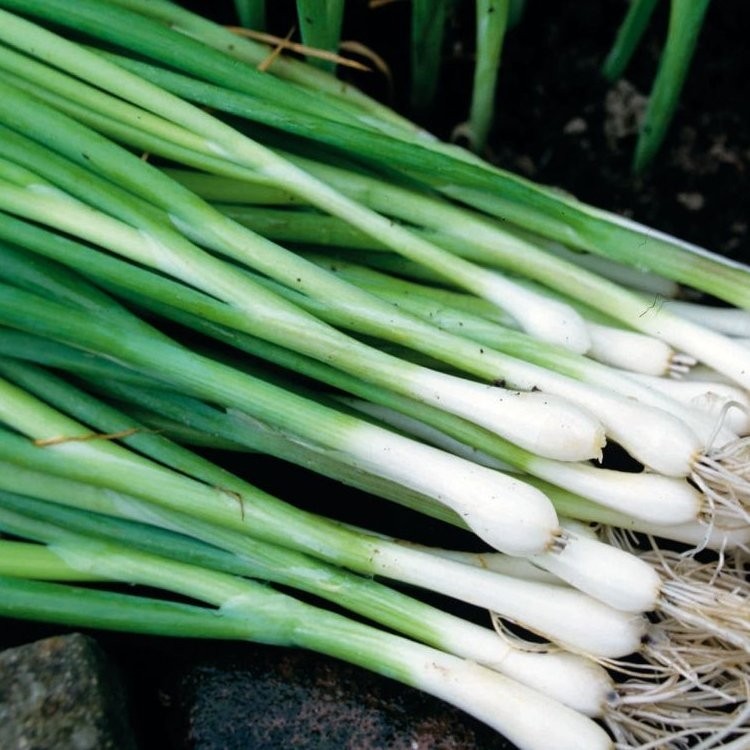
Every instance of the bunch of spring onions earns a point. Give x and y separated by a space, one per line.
196 254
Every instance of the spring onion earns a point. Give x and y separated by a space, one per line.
491 24
255 612
268 562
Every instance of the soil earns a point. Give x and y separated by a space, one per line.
559 123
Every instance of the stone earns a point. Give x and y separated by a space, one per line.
61 693
266 698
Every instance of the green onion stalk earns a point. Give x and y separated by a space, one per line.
263 561
171 252
635 601
478 173
27 180
610 488
45 387
428 22
638 304
220 429
376 191
685 23
481 282
80 606
258 559
66 250
486 242
628 37
491 24
320 27
251 13
107 501
585 227
456 347
626 494
21 205
487 499
684 336
632 597
468 316
111 466
639 589
253 54
243 609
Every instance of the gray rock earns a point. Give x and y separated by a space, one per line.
267 698
61 693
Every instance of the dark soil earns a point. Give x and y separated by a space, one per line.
558 123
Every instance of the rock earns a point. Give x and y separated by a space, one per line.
61 693
270 698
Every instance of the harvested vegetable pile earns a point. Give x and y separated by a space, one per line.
197 253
